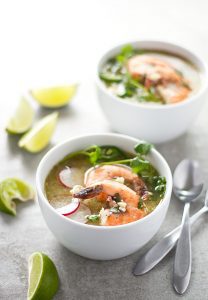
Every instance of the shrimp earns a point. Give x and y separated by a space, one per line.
172 92
145 66
131 214
100 173
106 188
168 83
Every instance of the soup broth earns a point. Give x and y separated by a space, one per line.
125 196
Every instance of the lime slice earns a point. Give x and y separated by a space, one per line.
43 277
54 96
22 119
13 188
39 136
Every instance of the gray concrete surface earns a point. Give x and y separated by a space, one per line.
24 63
82 278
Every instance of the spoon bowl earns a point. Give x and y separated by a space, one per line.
187 181
189 195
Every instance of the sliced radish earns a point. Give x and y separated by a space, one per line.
81 213
69 208
65 177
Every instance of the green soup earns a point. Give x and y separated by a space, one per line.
77 164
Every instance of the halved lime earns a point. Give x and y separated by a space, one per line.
39 136
22 120
43 277
54 96
14 188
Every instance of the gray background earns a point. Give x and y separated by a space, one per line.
55 42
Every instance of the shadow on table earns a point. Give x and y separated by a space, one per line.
29 160
21 206
66 111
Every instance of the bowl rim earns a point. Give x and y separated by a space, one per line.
161 43
42 197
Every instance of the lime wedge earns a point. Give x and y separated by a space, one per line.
43 277
13 188
54 96
39 136
22 120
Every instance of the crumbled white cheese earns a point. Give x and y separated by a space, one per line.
114 210
122 204
76 189
123 209
120 180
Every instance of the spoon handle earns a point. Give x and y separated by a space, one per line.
155 254
182 264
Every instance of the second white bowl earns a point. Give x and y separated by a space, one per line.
153 123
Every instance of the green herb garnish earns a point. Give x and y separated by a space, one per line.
93 218
114 155
116 72
98 154
93 152
138 164
108 154
126 52
110 77
150 97
143 148
158 186
140 204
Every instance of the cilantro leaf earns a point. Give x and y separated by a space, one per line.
143 148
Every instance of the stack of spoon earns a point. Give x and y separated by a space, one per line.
187 186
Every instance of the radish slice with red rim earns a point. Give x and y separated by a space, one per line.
69 209
80 214
65 177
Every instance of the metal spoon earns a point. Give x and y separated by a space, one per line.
154 255
187 184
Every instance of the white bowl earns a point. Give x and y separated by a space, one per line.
101 242
155 123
